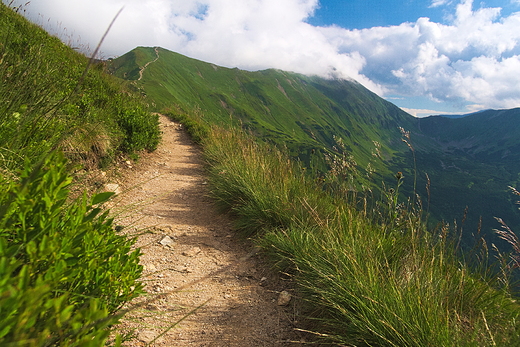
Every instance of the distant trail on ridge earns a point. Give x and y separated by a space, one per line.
141 71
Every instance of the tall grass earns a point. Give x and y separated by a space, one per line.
369 278
259 184
48 100
384 288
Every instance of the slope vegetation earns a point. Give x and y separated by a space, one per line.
300 112
52 96
451 163
65 273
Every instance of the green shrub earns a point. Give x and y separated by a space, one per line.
140 128
64 272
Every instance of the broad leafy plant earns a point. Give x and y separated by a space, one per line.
64 271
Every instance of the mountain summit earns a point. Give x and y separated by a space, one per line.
304 113
467 161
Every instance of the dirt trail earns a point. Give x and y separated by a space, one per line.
141 70
200 261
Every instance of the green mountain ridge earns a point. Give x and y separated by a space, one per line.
470 161
492 135
302 112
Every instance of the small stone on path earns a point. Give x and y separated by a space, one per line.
167 241
284 298
150 267
113 187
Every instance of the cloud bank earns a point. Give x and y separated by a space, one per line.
473 58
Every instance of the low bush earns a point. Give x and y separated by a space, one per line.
140 128
64 272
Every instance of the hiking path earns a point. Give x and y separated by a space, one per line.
206 286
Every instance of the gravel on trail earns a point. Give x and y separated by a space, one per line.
206 286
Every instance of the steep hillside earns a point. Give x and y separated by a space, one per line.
488 136
304 113
470 161
52 96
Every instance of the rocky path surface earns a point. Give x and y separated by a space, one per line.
197 272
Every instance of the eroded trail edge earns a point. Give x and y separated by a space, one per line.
193 262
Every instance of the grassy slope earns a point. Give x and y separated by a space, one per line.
65 272
290 109
305 113
46 101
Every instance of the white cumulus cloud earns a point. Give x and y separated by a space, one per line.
437 3
474 58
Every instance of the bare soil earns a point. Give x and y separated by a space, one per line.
206 285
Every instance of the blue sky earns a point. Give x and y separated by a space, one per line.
426 56
367 14
363 14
